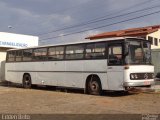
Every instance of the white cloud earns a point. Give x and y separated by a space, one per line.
43 16
24 20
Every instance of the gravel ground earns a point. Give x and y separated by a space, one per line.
43 101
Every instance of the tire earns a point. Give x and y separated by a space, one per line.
158 75
27 81
94 86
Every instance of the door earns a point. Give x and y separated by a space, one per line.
115 68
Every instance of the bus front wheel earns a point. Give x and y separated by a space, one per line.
94 86
27 81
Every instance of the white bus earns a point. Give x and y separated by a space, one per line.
112 64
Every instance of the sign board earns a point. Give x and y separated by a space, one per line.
17 40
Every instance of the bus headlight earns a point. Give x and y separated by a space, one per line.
133 76
141 76
136 76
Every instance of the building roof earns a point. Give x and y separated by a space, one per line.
133 32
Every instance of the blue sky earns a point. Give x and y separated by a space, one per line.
38 17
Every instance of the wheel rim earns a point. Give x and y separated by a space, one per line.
27 82
94 86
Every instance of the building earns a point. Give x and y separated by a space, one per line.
151 33
9 41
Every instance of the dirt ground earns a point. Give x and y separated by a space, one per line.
43 101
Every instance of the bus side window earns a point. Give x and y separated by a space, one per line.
115 55
19 55
56 53
10 56
95 51
74 52
27 55
40 54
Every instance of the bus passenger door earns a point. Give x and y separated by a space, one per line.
115 68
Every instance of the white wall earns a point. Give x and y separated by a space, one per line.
155 35
2 65
2 55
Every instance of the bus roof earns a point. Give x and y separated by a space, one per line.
86 41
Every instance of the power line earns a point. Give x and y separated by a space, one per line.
103 25
138 4
99 19
66 9
104 19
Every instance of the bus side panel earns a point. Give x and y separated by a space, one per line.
73 74
48 73
11 73
99 68
28 67
59 73
104 81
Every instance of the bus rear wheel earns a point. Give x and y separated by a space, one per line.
94 86
27 81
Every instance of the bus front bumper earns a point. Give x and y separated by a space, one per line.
138 84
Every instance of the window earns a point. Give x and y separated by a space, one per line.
27 55
40 54
150 39
156 41
139 53
95 50
56 53
75 52
19 55
11 56
115 55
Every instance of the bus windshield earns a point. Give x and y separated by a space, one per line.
139 52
